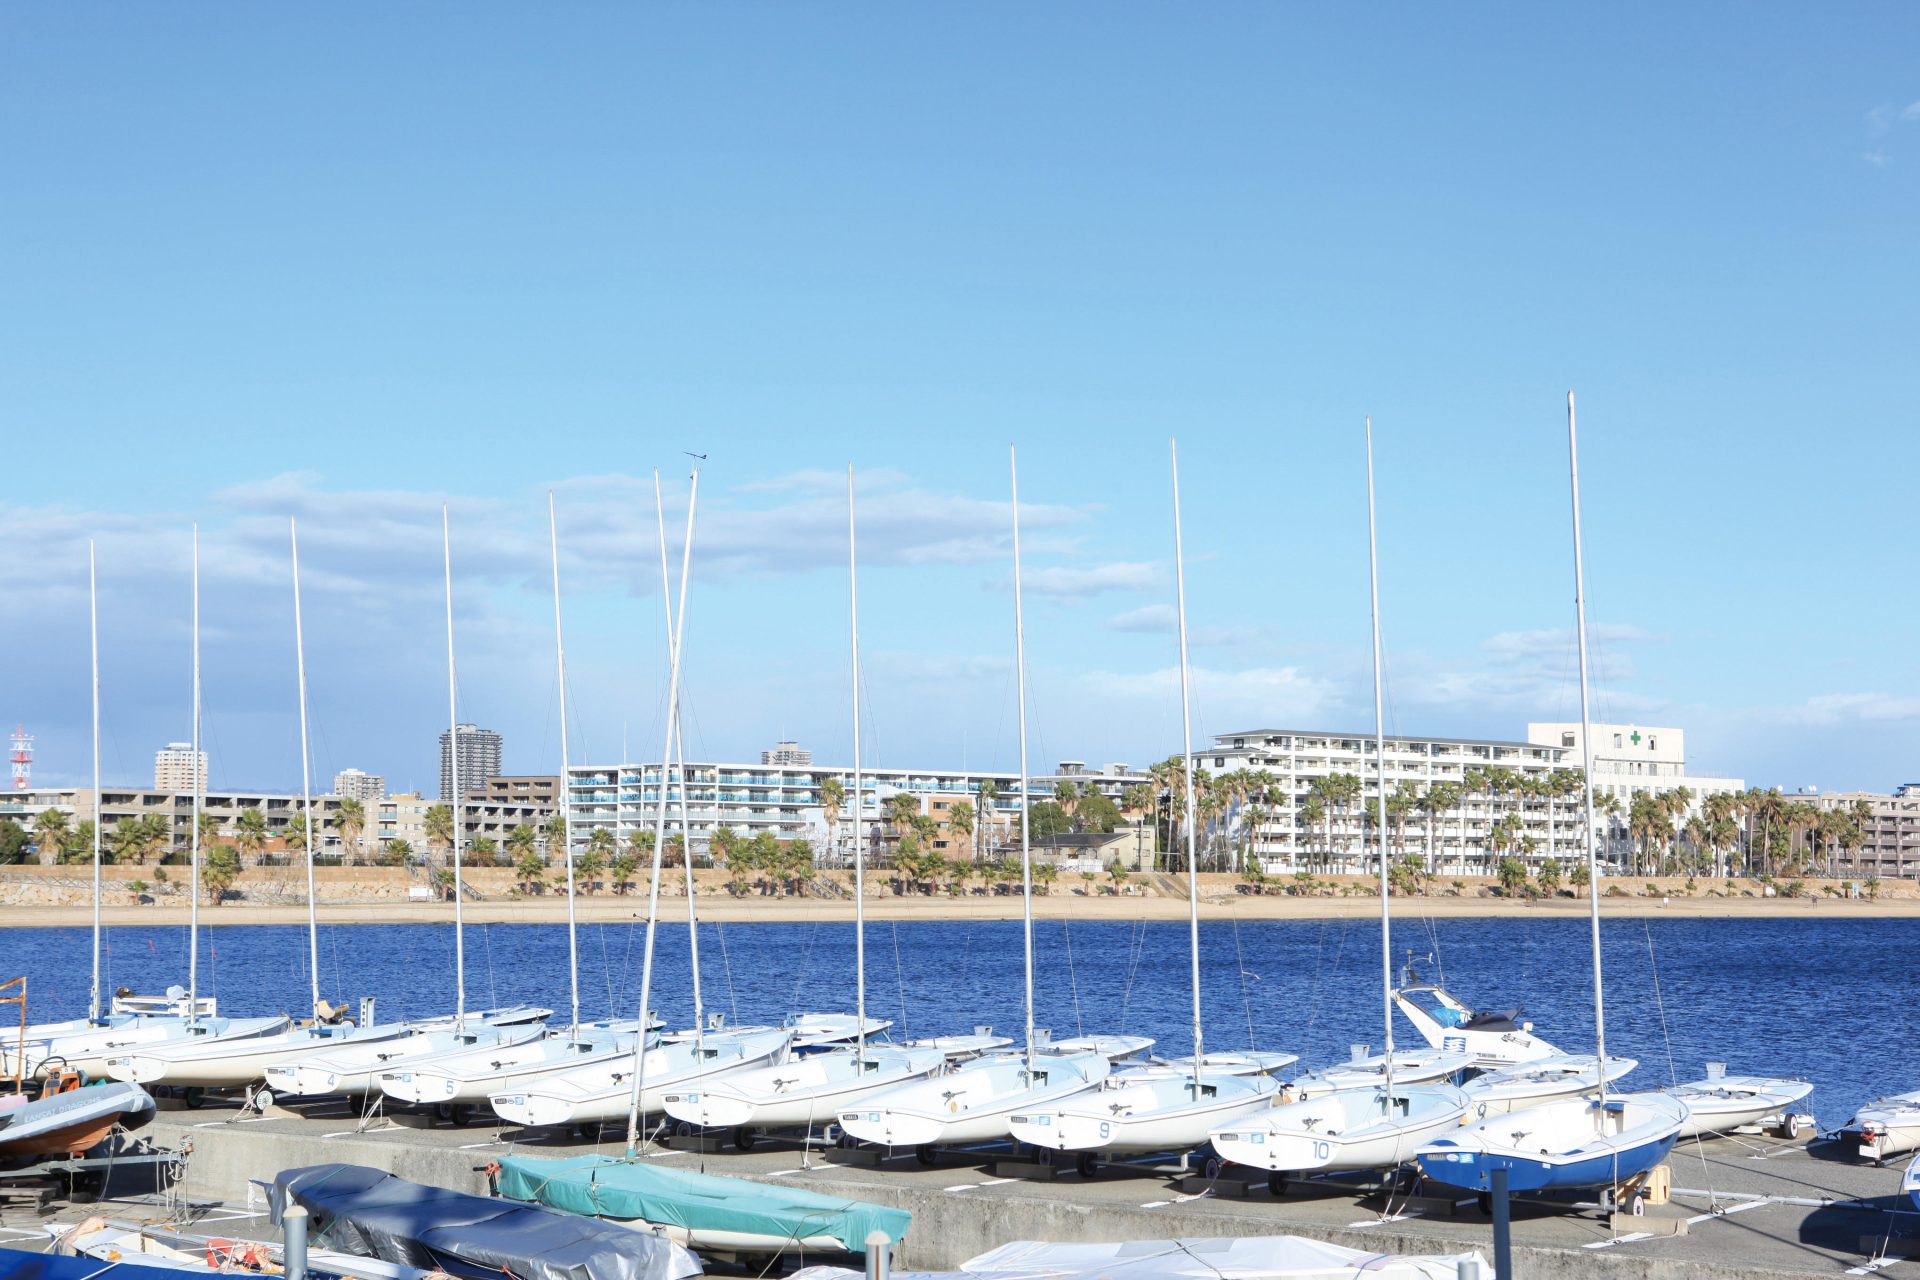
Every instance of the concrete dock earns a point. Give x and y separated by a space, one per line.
1741 1207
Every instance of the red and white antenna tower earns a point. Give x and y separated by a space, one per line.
22 758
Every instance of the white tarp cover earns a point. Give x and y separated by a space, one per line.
1244 1258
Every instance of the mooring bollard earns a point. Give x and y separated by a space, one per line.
293 1225
879 1255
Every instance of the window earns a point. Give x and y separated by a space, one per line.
1616 742
1653 743
1566 739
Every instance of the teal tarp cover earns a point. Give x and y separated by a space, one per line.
602 1187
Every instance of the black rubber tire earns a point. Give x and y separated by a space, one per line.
1277 1183
1087 1165
192 1096
441 1111
462 1114
585 1132
1213 1168
848 1142
926 1154
744 1139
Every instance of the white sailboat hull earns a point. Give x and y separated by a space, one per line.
357 1068
603 1090
1536 1083
231 1062
1887 1127
801 1092
1724 1103
1148 1111
470 1075
973 1103
1410 1066
1343 1132
89 1051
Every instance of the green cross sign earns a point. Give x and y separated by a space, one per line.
1636 738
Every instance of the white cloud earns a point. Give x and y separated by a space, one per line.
1079 582
1268 695
1878 159
1148 617
1838 708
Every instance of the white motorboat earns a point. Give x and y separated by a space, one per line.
1580 1143
1367 1070
974 1102
1528 1084
801 1092
1886 1127
356 1068
602 1088
232 1062
1495 1037
1342 1132
1721 1103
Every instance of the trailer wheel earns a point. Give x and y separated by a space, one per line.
262 1098
1277 1183
926 1154
192 1096
462 1114
743 1139
1087 1165
441 1111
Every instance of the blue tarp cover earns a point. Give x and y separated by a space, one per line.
371 1212
600 1186
16 1264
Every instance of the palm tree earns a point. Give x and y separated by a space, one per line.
960 822
51 831
1067 795
833 794
250 833
482 849
351 817
1313 809
601 846
523 841
984 820
1436 800
439 824
1473 781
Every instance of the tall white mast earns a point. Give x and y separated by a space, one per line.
660 831
199 787
680 759
93 628
306 775
566 774
859 845
1020 673
1380 771
1186 738
1586 760
453 774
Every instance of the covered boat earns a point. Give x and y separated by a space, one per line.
76 1119
699 1210
1245 1258
1573 1144
1722 1103
369 1211
1886 1127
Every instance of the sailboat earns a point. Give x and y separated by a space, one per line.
605 1086
482 1060
976 1102
1597 1141
814 1086
85 1044
1721 1103
1161 1108
1384 1117
228 1061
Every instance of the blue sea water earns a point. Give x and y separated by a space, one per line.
1822 999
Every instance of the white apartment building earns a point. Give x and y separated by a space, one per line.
787 799
1630 760
356 784
177 767
1455 842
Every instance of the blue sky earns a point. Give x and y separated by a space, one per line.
349 263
